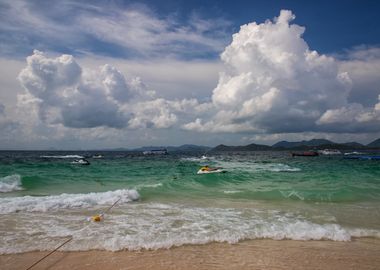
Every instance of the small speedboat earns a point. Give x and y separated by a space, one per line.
206 170
81 161
212 171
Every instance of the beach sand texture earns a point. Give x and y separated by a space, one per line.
254 254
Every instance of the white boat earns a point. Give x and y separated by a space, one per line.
330 152
81 162
97 156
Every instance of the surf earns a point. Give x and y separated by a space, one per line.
10 183
65 201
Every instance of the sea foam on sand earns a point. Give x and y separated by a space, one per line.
147 225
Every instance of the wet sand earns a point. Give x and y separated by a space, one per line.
361 253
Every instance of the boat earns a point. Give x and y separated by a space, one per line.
207 170
353 153
97 156
305 154
156 152
330 152
81 161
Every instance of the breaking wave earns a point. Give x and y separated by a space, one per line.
256 167
65 201
10 183
155 226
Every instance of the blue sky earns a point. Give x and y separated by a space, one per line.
332 26
99 74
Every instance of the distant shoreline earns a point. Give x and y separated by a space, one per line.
279 146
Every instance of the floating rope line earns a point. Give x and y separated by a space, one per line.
94 218
43 258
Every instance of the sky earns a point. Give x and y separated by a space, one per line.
110 74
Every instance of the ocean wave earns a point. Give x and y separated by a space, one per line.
63 156
293 194
198 159
149 186
279 167
155 226
231 191
65 201
10 183
256 167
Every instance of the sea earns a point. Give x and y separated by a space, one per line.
159 201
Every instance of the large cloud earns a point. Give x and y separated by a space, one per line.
274 83
66 94
362 64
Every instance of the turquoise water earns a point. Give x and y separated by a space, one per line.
164 202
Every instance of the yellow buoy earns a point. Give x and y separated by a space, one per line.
96 218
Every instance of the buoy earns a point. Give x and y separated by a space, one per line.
97 218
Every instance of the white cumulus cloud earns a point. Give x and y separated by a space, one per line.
64 93
271 85
273 82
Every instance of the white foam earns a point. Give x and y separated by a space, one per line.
158 225
231 191
279 167
292 194
198 159
149 186
63 156
256 167
64 201
10 183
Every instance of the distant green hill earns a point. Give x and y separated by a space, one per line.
311 143
282 145
302 145
188 148
374 144
182 148
354 145
249 147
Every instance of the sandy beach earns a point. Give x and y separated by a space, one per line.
255 254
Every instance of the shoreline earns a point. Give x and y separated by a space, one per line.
360 253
